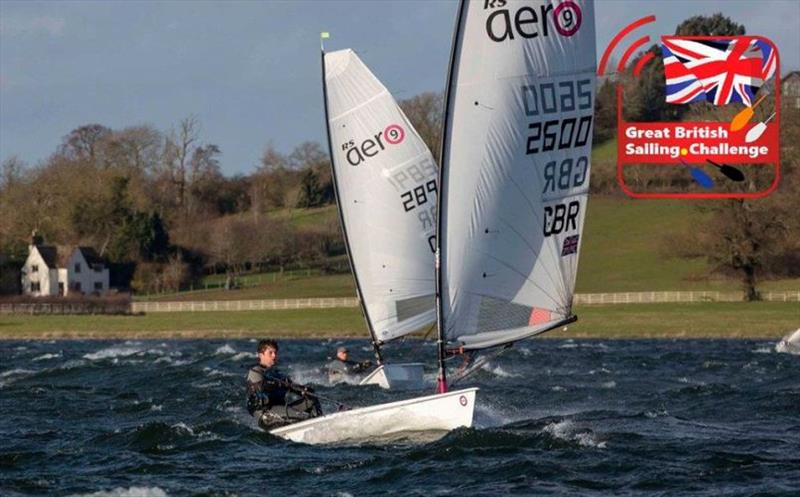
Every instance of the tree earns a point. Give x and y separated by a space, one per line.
83 142
316 182
425 111
715 25
312 192
177 153
270 182
605 112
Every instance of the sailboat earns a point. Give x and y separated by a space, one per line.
385 182
384 178
790 343
514 174
514 181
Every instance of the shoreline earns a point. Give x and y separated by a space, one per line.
244 335
757 320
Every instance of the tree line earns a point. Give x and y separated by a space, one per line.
156 205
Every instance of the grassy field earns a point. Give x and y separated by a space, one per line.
736 320
273 286
622 252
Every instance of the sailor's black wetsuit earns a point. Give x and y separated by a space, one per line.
338 369
267 389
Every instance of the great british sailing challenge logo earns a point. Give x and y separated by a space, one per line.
728 76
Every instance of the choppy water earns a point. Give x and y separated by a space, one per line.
554 417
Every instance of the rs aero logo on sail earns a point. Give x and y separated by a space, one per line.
508 24
356 154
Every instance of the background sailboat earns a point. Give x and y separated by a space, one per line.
386 188
514 172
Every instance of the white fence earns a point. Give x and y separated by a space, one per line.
330 303
243 305
663 297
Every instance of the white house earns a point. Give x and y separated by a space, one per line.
50 270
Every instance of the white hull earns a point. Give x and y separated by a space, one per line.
427 417
790 343
396 377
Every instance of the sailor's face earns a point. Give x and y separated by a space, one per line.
342 355
268 357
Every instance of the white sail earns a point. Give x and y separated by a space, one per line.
515 168
386 183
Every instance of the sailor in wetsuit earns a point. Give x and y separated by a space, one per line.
267 389
340 367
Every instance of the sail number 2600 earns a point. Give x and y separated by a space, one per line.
544 99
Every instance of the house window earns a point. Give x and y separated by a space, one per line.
35 268
61 288
98 285
78 268
77 287
35 286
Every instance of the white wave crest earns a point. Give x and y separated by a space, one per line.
225 349
17 372
499 371
241 355
112 353
211 372
566 430
127 492
609 384
44 357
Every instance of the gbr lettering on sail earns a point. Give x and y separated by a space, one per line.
558 110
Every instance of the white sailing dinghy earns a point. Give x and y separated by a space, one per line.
790 343
514 175
378 159
385 183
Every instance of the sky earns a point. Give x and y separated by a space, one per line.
250 70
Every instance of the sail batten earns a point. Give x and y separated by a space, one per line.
386 188
515 169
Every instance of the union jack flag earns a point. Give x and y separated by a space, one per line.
570 245
720 71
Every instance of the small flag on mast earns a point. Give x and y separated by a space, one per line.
325 35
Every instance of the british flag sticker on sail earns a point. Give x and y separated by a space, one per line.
570 245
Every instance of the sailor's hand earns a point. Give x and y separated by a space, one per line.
365 364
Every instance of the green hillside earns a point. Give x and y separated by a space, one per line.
624 249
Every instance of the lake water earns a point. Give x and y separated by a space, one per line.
553 417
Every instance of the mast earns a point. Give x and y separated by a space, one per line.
508 237
441 341
375 342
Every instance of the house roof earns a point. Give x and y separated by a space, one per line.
59 256
50 255
91 256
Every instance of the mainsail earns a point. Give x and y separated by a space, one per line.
386 187
515 169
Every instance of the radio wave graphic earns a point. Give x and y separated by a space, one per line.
601 69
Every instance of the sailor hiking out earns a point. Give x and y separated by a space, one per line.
340 367
270 392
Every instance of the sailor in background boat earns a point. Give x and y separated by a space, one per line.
267 390
340 367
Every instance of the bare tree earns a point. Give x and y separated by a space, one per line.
426 114
178 150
